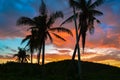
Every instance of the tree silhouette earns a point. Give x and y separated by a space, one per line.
86 12
22 57
73 18
32 42
43 24
87 19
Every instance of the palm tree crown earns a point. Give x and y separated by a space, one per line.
43 25
86 12
22 57
87 17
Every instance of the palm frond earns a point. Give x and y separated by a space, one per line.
73 3
98 21
61 29
25 21
26 38
50 22
95 12
82 5
49 36
70 19
43 9
59 37
15 55
83 40
53 18
57 14
89 2
97 3
28 43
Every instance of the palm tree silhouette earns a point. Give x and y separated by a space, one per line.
22 57
86 17
73 18
32 42
43 24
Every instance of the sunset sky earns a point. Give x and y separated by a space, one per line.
104 44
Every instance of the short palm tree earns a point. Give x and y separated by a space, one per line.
22 57
43 24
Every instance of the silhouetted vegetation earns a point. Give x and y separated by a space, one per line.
43 28
85 11
22 57
62 70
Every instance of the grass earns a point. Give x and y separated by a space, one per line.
61 70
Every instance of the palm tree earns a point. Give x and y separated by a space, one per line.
86 17
43 24
45 28
32 42
73 17
22 57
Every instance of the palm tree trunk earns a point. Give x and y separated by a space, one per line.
76 29
77 47
74 53
38 56
31 57
43 52
22 60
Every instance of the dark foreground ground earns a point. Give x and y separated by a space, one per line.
62 70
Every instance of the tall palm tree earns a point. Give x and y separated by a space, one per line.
43 24
74 18
46 29
86 17
72 4
22 57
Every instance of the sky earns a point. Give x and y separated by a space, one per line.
104 44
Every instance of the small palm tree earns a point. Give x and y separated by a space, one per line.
22 57
43 24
